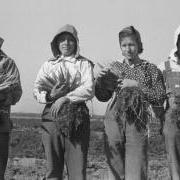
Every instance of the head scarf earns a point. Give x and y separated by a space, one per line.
65 29
173 52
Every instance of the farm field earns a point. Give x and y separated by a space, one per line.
26 156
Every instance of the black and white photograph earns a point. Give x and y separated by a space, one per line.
89 90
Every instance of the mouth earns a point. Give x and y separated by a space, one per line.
65 47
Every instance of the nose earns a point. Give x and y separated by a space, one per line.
66 41
128 48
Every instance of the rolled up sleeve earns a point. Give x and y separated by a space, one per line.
42 84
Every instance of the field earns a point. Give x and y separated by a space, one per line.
26 156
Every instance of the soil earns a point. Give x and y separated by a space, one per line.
27 161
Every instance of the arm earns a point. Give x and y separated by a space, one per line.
13 78
43 84
85 91
156 91
156 94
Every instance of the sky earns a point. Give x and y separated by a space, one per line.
28 27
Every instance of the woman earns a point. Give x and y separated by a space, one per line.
171 71
10 94
64 83
126 142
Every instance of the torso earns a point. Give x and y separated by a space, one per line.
172 76
139 72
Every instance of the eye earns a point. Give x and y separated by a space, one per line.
70 39
123 45
61 39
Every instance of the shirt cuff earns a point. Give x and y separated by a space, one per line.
41 98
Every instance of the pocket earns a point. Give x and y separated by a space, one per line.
46 115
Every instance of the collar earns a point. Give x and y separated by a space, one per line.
70 59
133 65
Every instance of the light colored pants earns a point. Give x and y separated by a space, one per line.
126 150
172 141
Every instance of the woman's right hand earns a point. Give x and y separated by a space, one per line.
58 105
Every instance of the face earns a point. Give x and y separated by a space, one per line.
129 47
67 44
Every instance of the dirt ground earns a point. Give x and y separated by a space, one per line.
26 157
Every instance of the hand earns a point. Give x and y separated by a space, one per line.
128 83
57 106
103 72
59 90
107 79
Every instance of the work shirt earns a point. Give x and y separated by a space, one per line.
77 72
149 77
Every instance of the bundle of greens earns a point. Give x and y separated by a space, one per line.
131 105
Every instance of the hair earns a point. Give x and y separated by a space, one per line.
178 40
131 31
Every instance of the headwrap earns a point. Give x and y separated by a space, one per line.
131 31
173 52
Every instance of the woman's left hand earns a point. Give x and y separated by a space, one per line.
128 83
57 106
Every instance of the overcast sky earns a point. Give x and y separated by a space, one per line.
28 27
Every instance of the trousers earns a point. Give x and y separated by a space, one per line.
4 144
61 150
126 151
172 139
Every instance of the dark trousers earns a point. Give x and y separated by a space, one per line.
172 141
126 151
60 150
4 144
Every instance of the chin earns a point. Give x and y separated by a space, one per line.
130 58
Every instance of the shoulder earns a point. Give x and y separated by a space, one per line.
85 60
116 64
6 61
51 60
47 65
149 65
161 66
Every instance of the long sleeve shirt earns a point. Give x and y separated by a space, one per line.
77 72
10 90
149 77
